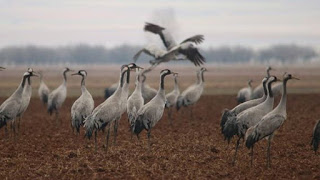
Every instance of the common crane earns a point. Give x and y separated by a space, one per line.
193 93
174 51
107 112
26 96
240 123
83 106
58 96
10 108
269 123
150 113
135 101
43 90
172 97
245 94
124 97
228 114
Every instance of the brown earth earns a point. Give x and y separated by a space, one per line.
192 148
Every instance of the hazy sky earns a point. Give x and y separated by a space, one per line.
110 23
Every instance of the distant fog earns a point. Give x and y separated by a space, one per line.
86 54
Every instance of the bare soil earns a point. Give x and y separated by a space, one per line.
191 148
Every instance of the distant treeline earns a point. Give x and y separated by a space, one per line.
85 54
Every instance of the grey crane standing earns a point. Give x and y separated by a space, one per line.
10 108
43 90
228 114
150 113
83 106
107 112
269 123
124 97
193 93
174 51
249 117
58 96
245 94
135 101
26 96
172 97
316 137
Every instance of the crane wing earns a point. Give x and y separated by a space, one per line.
197 39
165 36
193 55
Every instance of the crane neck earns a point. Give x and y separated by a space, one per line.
29 81
128 77
265 88
65 77
83 84
202 77
162 76
270 93
176 86
121 78
283 102
22 84
268 73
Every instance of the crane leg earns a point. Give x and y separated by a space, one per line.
108 135
115 131
169 115
149 136
251 155
236 152
191 112
19 122
95 141
268 153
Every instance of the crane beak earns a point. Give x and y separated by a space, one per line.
34 74
295 78
280 80
74 74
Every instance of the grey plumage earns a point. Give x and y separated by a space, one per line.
231 114
110 90
193 93
26 96
135 101
147 92
249 117
83 106
43 90
107 112
58 96
245 94
183 51
316 137
10 108
150 113
269 123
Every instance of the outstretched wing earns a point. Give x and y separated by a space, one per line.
151 50
193 55
197 39
165 36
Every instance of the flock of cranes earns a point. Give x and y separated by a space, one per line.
253 119
256 119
